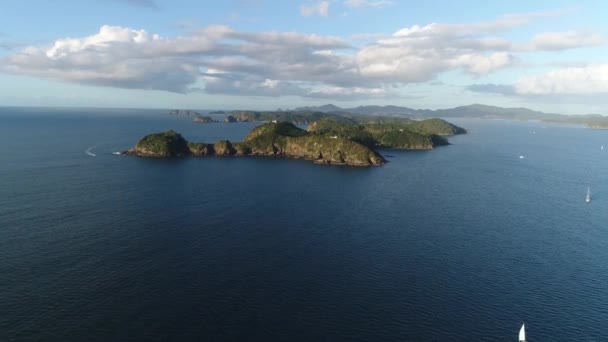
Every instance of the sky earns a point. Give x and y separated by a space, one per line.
269 54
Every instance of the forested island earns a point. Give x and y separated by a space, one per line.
326 141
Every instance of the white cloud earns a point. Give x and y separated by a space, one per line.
127 58
320 8
484 64
107 35
565 40
221 82
588 80
368 3
229 61
418 53
334 92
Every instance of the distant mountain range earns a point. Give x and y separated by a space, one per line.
471 111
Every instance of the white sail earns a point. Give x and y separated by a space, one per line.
588 198
522 333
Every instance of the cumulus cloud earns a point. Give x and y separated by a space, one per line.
221 82
320 8
335 92
128 58
588 80
115 56
223 60
418 53
368 3
567 82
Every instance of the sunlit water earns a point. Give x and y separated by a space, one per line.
461 243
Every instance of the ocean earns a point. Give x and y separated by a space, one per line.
462 243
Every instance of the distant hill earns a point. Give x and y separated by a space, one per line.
493 112
471 111
366 110
476 111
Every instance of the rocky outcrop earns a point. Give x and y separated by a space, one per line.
224 148
204 119
201 149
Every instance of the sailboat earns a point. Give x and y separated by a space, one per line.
588 198
522 333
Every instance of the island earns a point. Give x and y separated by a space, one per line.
326 141
204 119
183 112
594 121
307 117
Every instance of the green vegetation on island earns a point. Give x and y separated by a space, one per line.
424 134
166 144
273 139
306 117
326 141
435 126
204 119
294 118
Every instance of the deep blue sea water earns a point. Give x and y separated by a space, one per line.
461 243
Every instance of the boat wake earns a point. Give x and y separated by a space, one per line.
88 151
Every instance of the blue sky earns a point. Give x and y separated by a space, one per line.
263 54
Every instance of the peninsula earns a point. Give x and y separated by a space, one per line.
326 141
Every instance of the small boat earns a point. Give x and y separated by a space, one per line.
588 198
117 153
522 333
602 147
521 157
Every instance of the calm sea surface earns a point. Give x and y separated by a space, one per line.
462 243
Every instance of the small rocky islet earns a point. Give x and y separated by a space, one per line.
204 119
326 141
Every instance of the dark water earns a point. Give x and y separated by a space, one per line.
462 243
